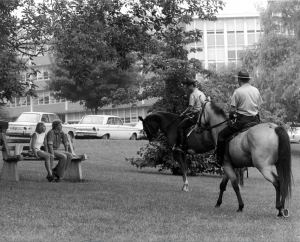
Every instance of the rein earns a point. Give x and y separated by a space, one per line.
209 128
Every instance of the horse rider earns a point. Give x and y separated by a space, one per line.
245 104
196 100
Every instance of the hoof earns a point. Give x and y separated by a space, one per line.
217 205
283 213
279 215
185 189
240 208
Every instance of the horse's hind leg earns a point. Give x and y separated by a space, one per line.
181 159
232 176
223 185
270 176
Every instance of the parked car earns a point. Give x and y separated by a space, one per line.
105 127
26 123
294 134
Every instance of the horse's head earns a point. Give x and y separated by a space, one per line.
211 114
150 127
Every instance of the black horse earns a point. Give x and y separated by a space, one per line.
167 123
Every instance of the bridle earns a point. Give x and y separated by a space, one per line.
209 128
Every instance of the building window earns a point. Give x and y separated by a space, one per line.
240 39
52 99
46 75
220 54
211 40
230 39
127 115
122 114
250 24
211 54
46 97
239 23
114 112
219 26
251 39
210 27
231 54
220 39
230 25
133 114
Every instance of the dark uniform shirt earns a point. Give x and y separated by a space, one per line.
55 138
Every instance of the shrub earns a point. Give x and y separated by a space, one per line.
157 154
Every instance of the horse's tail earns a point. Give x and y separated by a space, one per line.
283 165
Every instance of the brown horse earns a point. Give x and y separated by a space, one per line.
264 146
167 123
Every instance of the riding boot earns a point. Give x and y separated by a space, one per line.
220 152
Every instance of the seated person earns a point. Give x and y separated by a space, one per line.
54 139
38 139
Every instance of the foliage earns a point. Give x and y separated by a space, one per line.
274 62
21 39
158 155
220 84
89 34
107 84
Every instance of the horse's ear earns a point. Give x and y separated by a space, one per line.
140 118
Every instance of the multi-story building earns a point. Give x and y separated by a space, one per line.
237 27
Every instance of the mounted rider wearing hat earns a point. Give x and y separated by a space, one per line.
196 100
245 103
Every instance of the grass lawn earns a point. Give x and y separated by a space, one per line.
117 202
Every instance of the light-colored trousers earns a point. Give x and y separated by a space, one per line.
64 159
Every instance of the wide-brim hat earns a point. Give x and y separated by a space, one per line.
243 74
188 81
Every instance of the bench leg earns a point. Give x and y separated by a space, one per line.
74 171
10 171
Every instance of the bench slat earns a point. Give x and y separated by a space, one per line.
21 140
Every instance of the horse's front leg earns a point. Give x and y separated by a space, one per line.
181 159
223 185
232 176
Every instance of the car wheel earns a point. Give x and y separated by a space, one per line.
106 136
133 137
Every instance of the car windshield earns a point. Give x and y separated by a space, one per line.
29 117
92 120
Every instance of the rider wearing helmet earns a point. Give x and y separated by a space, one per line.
196 100
245 104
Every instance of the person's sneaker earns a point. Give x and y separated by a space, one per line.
178 148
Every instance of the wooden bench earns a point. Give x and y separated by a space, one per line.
20 148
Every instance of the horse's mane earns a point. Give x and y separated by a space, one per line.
217 110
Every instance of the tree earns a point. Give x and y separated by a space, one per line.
20 40
107 85
274 62
88 33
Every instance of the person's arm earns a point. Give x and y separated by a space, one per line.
189 109
33 140
232 112
46 144
50 139
234 104
65 141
